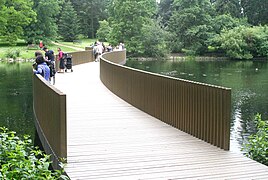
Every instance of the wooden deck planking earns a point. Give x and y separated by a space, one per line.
110 139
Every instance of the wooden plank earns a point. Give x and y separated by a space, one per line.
110 139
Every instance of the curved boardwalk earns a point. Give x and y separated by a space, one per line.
110 139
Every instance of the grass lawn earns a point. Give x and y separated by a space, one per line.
28 53
81 43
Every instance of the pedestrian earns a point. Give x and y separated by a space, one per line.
61 59
41 45
38 53
109 48
42 67
49 54
50 59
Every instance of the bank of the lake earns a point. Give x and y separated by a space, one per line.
16 97
248 80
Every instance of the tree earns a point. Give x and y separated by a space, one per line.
256 11
190 24
226 22
154 40
231 7
90 13
68 23
104 31
164 11
14 15
127 18
45 27
244 42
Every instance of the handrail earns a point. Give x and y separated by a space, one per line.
198 109
79 57
49 105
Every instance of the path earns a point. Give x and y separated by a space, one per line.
110 139
72 47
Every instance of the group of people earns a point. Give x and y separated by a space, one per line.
45 64
99 48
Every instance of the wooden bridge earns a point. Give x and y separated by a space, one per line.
107 138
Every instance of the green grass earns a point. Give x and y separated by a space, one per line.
28 53
84 43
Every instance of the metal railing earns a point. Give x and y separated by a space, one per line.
49 105
198 109
79 57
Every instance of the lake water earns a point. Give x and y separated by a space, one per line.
248 80
16 98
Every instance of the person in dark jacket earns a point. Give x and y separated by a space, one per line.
49 54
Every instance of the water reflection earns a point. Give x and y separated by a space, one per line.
16 97
248 80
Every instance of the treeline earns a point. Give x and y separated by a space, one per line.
234 28
46 20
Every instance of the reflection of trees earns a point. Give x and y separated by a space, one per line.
16 98
249 86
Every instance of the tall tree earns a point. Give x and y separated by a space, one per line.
232 7
104 31
14 15
190 24
127 18
256 11
45 27
90 13
68 23
164 11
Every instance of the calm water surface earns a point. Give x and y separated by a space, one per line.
248 80
16 97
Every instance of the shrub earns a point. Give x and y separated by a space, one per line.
20 160
13 53
257 146
103 31
243 42
153 42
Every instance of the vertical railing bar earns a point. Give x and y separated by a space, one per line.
193 108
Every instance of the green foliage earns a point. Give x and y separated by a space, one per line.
13 53
256 11
45 27
104 31
231 7
90 13
244 42
154 40
68 23
257 146
165 11
127 18
14 15
226 22
190 24
20 160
